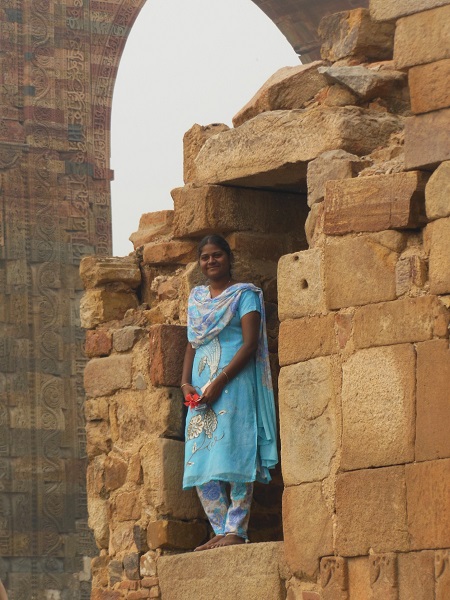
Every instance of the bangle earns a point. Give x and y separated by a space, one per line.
226 375
183 384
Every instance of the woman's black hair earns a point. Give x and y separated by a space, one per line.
218 241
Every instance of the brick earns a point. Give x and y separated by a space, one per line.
151 226
422 38
309 337
334 578
433 400
98 343
308 533
437 239
175 535
384 415
104 376
353 33
400 321
428 89
360 270
308 424
124 339
437 193
442 574
300 284
371 511
193 140
388 10
175 252
427 142
428 491
96 271
167 348
416 575
381 202
201 210
101 306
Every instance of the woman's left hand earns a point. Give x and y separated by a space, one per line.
214 390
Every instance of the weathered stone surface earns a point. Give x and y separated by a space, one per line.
359 577
375 203
162 465
310 337
193 140
428 493
207 209
371 511
353 33
416 575
104 376
300 284
437 193
371 277
289 87
127 506
151 226
167 348
175 252
98 343
176 535
433 400
124 339
378 406
98 511
272 149
366 83
308 533
101 306
334 578
437 239
243 572
400 321
98 438
334 164
411 272
442 574
314 225
427 142
384 576
422 38
96 271
428 86
308 424
388 10
115 472
103 594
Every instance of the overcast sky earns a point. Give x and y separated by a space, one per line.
185 62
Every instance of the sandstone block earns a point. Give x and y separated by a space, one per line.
428 89
104 376
359 271
167 348
152 225
193 140
384 576
334 578
334 164
437 193
101 306
256 247
206 209
308 424
309 337
314 225
96 409
428 493
388 10
438 241
249 572
371 511
98 520
433 400
272 149
366 83
442 574
359 577
300 284
400 321
416 575
95 271
124 339
422 38
131 566
175 535
375 203
378 406
115 472
175 252
427 142
308 533
289 87
353 33
98 438
162 465
98 343
411 272
127 506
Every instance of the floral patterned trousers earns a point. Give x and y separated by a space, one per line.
227 516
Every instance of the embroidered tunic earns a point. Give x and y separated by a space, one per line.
222 440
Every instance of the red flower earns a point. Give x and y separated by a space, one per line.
192 400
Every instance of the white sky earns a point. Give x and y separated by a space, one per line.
185 62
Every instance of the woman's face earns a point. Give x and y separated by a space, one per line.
214 262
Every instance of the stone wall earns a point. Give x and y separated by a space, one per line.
361 141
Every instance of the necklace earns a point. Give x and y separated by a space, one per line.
222 290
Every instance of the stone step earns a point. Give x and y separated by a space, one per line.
245 572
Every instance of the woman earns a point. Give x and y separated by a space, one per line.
231 429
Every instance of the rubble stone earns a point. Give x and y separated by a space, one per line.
101 306
426 141
366 83
104 376
176 535
437 193
125 338
175 252
98 343
151 226
193 141
438 241
96 271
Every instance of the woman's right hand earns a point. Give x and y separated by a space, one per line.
188 389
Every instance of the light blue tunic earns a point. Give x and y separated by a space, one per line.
221 441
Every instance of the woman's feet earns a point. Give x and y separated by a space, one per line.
227 540
210 543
